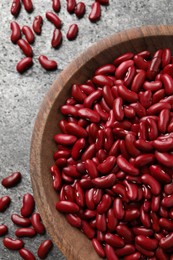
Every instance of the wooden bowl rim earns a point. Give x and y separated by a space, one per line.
53 92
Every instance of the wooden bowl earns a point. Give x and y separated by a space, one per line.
69 240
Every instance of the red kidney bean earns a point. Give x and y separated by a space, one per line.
155 203
88 231
164 158
163 145
36 223
153 68
153 85
168 188
26 254
118 109
114 240
16 33
71 6
79 9
46 63
89 214
111 220
87 89
129 112
89 114
101 222
71 171
69 193
143 145
163 121
168 69
53 18
131 190
91 168
120 190
124 57
44 249
105 181
125 232
95 13
79 195
167 201
127 94
129 142
29 35
25 47
158 95
146 242
152 183
28 5
144 251
126 250
28 205
75 129
144 54
166 242
11 180
37 24
25 232
77 148
69 110
4 203
13 244
20 221
15 7
98 247
107 165
105 70
72 32
103 2
104 204
166 224
144 159
67 207
56 38
57 179
3 230
94 96
89 199
129 76
166 57
74 220
65 139
142 231
138 81
156 108
145 219
97 196
24 64
123 68
118 208
126 166
134 256
160 254
103 80
141 63
56 5
167 82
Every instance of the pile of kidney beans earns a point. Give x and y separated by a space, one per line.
73 7
29 223
114 163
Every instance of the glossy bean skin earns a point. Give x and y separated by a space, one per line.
26 254
106 166
24 64
149 180
71 5
3 230
105 181
127 94
95 12
166 242
28 5
4 203
110 253
147 243
72 32
11 180
36 223
44 249
37 24
164 158
88 230
126 166
67 207
74 220
114 240
80 9
25 47
29 35
20 221
98 248
53 18
167 201
46 63
28 205
25 232
15 7
16 33
13 244
56 38
56 5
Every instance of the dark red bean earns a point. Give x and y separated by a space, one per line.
37 24
56 5
114 240
110 253
118 208
25 232
67 207
13 244
142 231
122 58
11 180
53 18
4 203
28 205
165 159
15 7
15 32
166 224
98 247
126 166
29 35
25 47
24 64
118 109
144 159
107 165
167 201
79 9
153 85
123 68
103 2
95 13
141 63
74 220
158 95
105 181
138 81
153 68
88 231
28 5
146 242
46 63
26 254
167 82
44 249
151 182
168 69
89 114
20 221
72 32
104 204
103 80
36 223
56 38
129 76
101 222
166 242
71 6
105 70
125 232
131 214
3 230
144 251
127 94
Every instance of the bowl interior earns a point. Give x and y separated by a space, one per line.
71 241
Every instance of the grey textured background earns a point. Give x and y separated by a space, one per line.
21 96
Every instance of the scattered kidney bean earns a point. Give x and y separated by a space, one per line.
56 5
56 38
4 203
15 7
36 223
28 5
79 9
44 249
53 18
72 32
47 64
25 232
25 47
12 180
71 6
95 13
20 221
28 205
16 33
26 30
13 244
3 230
37 24
26 254
24 64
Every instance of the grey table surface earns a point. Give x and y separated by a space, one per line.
21 95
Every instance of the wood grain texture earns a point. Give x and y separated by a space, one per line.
73 244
